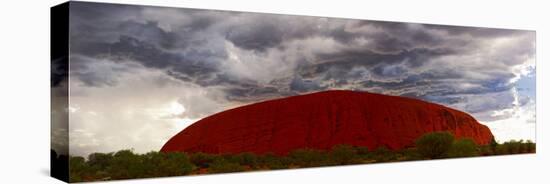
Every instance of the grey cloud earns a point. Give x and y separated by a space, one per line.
431 62
94 72
193 66
95 80
393 37
253 93
150 32
476 31
258 38
263 31
59 70
383 65
99 11
300 85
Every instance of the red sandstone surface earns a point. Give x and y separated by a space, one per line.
324 119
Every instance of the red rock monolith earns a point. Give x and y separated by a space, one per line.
324 119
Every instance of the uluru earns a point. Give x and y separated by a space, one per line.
322 120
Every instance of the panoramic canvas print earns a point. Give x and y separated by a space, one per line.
142 91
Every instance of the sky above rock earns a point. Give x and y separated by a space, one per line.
138 74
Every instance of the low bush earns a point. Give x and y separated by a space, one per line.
463 148
434 145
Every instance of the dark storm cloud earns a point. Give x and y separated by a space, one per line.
300 85
392 37
95 80
252 93
281 55
257 38
354 58
475 31
264 31
98 11
191 66
151 32
59 71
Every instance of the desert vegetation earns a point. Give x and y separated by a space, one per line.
126 164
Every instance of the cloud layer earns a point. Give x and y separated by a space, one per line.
208 61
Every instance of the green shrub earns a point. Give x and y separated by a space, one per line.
530 146
362 150
77 167
246 159
151 162
221 165
511 147
463 148
125 164
486 150
272 161
409 154
202 160
308 157
343 155
434 145
100 161
174 164
515 147
383 154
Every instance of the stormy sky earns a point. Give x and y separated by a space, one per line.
138 75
